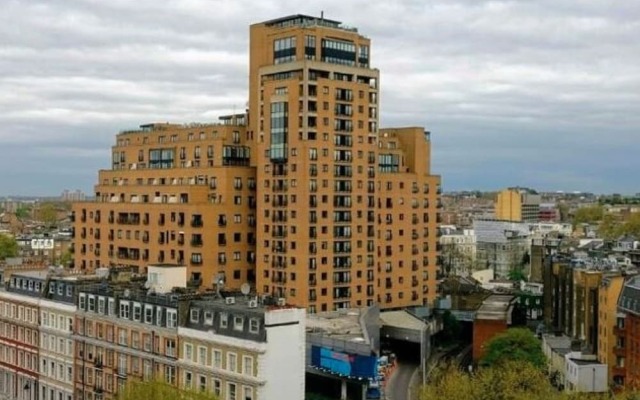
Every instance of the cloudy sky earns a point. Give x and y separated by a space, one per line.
544 93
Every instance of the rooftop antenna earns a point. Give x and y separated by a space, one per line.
321 15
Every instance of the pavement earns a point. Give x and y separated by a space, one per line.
399 383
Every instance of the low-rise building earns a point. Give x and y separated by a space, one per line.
555 347
501 245
492 318
234 346
458 251
583 373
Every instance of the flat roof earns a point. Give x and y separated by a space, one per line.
585 362
343 324
558 342
401 319
294 17
495 306
40 274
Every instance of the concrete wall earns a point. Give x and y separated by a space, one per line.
283 365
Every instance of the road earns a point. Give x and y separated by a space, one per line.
399 382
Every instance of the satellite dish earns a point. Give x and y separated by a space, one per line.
245 289
127 293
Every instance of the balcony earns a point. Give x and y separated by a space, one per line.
197 223
194 242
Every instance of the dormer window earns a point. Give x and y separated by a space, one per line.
238 323
208 317
194 315
224 322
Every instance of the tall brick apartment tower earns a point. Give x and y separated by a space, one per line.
310 201
347 213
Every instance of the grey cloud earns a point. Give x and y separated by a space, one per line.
541 92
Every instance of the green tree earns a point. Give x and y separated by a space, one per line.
66 258
48 214
515 344
8 246
510 381
23 212
160 390
451 327
631 226
517 274
588 215
609 228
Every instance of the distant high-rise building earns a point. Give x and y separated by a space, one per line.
516 204
77 195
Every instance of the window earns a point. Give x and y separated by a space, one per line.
208 317
172 318
284 50
92 303
188 352
216 387
82 301
223 319
217 358
124 310
170 349
101 305
159 313
232 362
202 383
148 314
137 312
188 380
238 323
254 325
194 315
247 365
122 337
231 391
248 392
202 355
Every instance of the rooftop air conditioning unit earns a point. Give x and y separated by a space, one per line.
230 300
282 302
